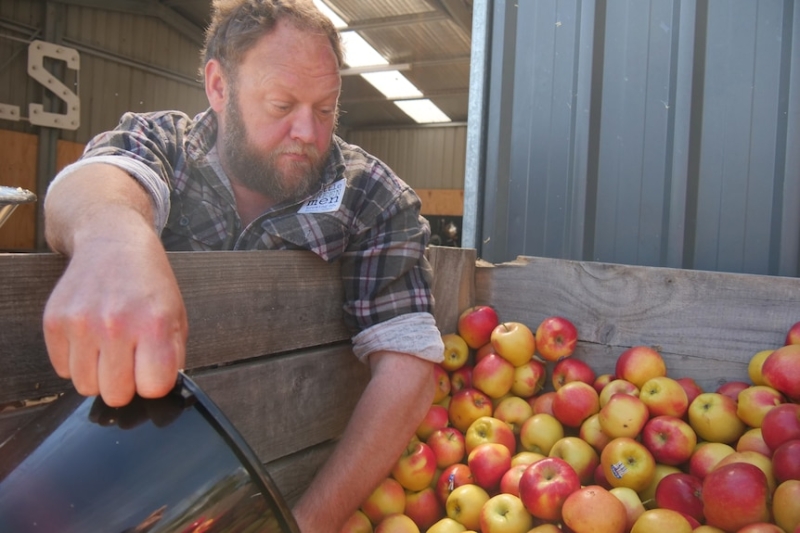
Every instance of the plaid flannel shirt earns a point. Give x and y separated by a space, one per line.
376 232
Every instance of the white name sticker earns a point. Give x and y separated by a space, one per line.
327 201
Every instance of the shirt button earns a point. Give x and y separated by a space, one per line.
184 221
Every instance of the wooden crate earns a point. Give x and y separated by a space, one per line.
270 349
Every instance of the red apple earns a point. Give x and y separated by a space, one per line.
690 386
575 402
504 513
780 424
448 445
731 389
735 495
638 364
475 325
567 370
664 396
756 459
681 492
707 456
493 375
529 379
483 351
436 418
793 335
396 523
509 483
514 341
753 440
424 508
488 462
416 466
545 485
671 440
357 523
387 498
514 411
490 429
452 477
617 386
593 509
601 381
466 406
543 403
556 338
755 401
786 461
442 381
781 371
461 378
761 527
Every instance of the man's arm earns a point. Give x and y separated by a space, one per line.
115 322
396 399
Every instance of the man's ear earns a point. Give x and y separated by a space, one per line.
216 85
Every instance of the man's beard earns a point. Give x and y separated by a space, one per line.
258 170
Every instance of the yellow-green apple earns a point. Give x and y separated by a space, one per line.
780 424
690 387
396 523
446 525
615 386
415 467
593 509
761 527
357 523
539 432
575 402
579 454
786 461
493 375
514 341
526 458
705 528
648 494
781 371
529 379
464 505
732 389
591 432
546 528
514 411
755 364
566 370
448 446
657 520
456 351
623 416
785 510
713 417
387 498
488 462
475 325
664 396
461 378
670 439
451 478
442 381
437 417
556 338
638 364
545 485
601 381
543 403
753 440
509 483
681 492
424 508
490 429
793 335
755 401
627 463
706 456
735 495
632 503
504 513
466 406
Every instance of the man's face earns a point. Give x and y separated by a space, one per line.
280 113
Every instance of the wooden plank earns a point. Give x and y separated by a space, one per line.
14 419
707 324
18 169
293 474
441 202
288 403
453 283
67 152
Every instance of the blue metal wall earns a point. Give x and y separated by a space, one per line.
647 132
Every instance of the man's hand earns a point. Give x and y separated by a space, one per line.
115 322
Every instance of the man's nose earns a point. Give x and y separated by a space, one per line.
303 126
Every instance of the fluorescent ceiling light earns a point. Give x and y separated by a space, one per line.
392 84
358 52
328 12
422 111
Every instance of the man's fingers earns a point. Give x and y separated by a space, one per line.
156 365
115 373
57 343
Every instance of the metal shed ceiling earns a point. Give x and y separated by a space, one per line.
431 38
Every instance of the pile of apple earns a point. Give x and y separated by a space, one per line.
523 438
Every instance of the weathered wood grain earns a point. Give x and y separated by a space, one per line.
294 473
706 324
453 283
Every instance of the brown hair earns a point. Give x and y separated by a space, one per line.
236 25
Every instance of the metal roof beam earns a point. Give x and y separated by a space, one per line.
399 20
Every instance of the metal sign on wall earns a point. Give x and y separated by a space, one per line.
38 51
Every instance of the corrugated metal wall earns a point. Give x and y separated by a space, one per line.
660 132
425 157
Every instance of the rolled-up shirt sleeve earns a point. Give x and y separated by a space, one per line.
413 333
